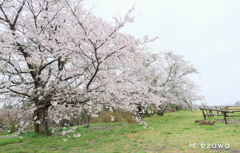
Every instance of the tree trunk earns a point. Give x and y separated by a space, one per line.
40 119
140 111
161 111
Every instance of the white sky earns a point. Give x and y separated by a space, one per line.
205 32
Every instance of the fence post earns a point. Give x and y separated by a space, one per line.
204 116
225 117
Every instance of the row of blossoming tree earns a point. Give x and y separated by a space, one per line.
57 57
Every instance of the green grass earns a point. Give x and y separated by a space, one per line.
174 132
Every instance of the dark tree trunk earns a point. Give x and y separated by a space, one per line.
40 119
140 113
161 111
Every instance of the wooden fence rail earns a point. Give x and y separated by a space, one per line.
209 112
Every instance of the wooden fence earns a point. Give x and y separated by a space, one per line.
220 111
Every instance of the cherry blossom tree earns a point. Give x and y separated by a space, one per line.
58 59
57 54
157 79
171 73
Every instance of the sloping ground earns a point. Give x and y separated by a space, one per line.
173 133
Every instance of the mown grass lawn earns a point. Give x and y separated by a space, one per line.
174 132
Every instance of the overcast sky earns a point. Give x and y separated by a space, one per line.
205 32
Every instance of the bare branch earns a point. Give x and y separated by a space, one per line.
17 15
19 93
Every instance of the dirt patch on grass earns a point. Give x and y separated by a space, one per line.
197 114
132 136
229 121
229 150
8 136
104 127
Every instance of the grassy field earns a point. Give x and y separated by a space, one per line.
174 132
